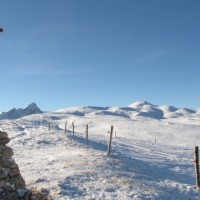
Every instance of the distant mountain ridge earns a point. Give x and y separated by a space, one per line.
137 109
20 112
160 112
132 111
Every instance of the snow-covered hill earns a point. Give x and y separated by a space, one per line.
20 112
151 159
139 108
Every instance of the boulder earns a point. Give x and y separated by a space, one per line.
11 181
6 152
4 141
3 135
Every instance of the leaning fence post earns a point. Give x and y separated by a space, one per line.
110 141
196 162
86 135
49 125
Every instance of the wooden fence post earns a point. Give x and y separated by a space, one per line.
73 127
110 141
196 162
86 135
49 125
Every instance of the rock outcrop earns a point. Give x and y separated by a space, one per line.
12 185
20 112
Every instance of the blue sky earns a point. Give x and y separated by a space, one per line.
99 52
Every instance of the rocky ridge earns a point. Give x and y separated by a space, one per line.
20 112
12 185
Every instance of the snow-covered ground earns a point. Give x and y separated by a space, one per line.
152 154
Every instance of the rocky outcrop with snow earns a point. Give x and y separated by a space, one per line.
17 113
12 185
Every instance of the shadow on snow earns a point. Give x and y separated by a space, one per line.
122 163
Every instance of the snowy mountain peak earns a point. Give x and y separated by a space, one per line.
17 113
33 108
140 104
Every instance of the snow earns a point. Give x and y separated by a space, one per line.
151 158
